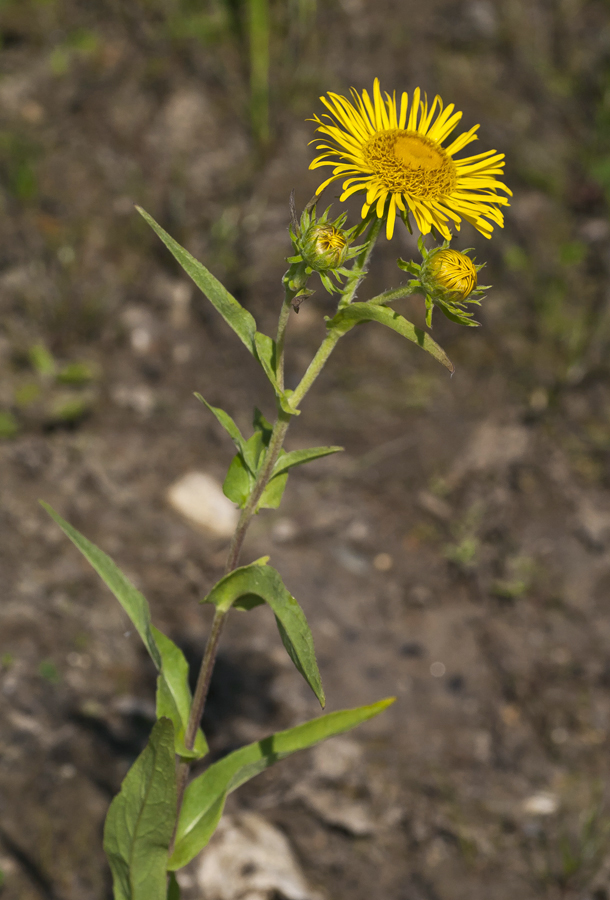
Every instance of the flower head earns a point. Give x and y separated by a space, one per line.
396 156
447 279
321 246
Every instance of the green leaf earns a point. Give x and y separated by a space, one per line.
252 585
238 482
173 888
173 693
273 493
132 601
298 457
204 797
140 821
284 401
265 353
240 320
254 450
365 312
227 423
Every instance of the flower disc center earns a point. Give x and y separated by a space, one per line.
407 162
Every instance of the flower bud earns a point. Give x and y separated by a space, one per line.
448 280
320 246
324 247
451 271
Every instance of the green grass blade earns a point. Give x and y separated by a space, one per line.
259 28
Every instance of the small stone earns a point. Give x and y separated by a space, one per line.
383 562
249 858
541 804
199 498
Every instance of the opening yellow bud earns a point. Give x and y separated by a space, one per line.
453 271
330 245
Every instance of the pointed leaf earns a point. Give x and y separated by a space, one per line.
265 583
240 320
205 796
174 695
273 493
227 423
284 401
298 457
238 482
365 312
254 450
173 888
140 821
132 601
265 352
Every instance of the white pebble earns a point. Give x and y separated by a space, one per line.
199 498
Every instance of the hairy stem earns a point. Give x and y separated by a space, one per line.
330 341
211 649
281 336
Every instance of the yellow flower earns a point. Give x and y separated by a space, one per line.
398 154
454 272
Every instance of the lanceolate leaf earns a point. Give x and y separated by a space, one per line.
238 482
173 693
298 457
140 821
227 423
173 888
132 601
252 585
265 349
273 493
204 797
240 320
365 312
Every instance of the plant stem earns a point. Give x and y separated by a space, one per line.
281 336
211 649
273 451
330 341
315 367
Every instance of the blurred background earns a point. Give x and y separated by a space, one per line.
457 555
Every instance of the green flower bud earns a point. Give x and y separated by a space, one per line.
324 247
320 246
